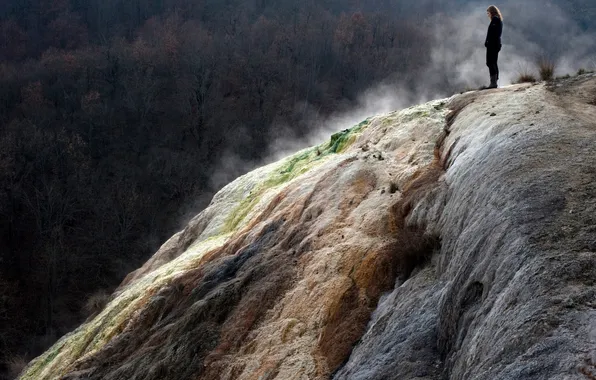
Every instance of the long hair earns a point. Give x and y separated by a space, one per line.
494 11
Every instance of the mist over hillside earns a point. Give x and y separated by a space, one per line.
120 119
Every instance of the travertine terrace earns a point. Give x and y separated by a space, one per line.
451 240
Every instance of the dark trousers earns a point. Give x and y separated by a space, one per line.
492 56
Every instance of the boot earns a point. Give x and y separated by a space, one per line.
493 81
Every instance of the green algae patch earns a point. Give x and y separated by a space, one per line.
41 363
296 165
292 167
340 141
89 337
305 160
240 213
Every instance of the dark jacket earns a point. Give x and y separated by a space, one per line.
493 37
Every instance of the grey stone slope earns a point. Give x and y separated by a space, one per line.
510 293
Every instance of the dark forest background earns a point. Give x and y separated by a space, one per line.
114 115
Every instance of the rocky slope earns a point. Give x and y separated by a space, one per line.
456 239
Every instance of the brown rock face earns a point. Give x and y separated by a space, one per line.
435 242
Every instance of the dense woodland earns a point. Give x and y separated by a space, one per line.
114 115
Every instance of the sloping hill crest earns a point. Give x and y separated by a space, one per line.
454 239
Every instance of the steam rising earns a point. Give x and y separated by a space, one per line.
532 30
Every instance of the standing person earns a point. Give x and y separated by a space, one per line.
493 43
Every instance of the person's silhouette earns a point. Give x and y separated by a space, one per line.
493 43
